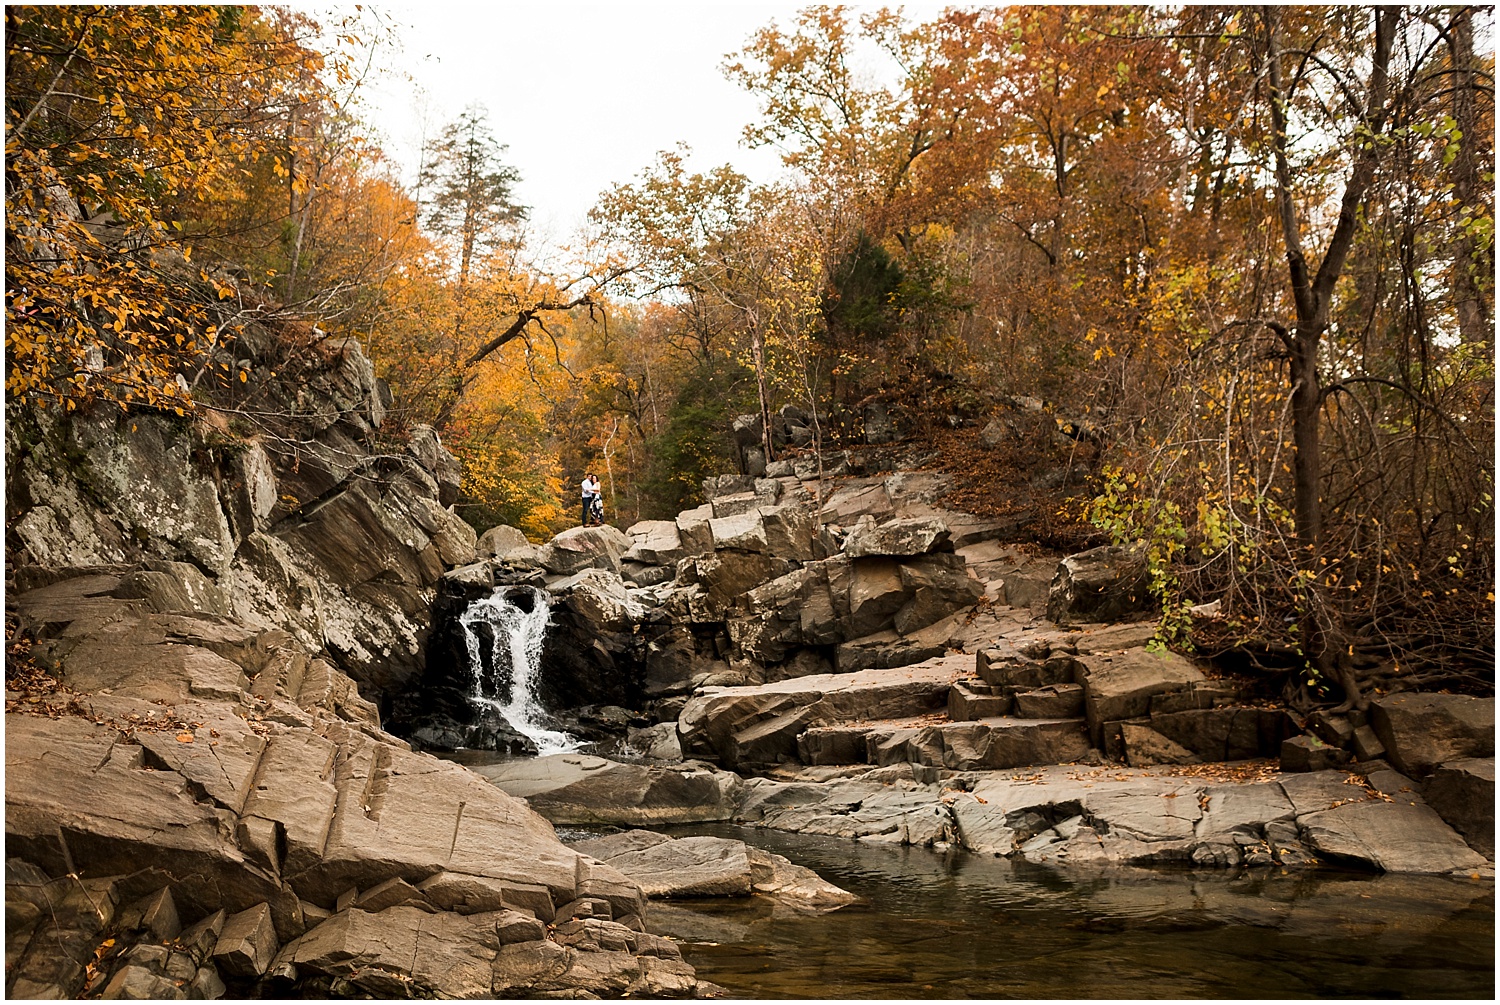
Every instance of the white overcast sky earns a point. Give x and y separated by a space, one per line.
583 94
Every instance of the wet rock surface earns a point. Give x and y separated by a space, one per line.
1092 815
666 867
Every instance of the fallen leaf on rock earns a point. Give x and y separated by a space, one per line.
184 737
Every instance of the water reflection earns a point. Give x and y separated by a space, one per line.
957 926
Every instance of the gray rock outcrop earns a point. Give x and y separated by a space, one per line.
300 526
1102 584
712 867
1420 730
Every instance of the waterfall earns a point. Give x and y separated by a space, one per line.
507 681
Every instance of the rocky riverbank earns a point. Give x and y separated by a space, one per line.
1237 816
849 658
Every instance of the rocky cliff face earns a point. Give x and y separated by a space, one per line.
201 799
292 513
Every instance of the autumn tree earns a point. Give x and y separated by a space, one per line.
116 120
468 192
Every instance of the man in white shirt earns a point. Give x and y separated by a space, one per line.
590 489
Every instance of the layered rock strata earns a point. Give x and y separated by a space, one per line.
210 787
304 522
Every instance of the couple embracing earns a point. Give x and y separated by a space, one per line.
593 501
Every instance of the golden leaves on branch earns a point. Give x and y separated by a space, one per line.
119 118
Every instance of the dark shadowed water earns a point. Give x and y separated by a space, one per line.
956 925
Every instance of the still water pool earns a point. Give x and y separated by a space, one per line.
956 925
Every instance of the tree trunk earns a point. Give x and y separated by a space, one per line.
1307 458
1470 262
1323 637
758 348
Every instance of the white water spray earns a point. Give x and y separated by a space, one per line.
516 646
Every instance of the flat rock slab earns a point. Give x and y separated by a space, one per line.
712 867
1395 836
1109 638
859 810
580 789
1111 816
760 724
688 867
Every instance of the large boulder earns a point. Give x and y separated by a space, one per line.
1227 733
1145 746
875 591
709 867
791 611
740 531
723 485
857 498
725 577
1421 730
693 531
654 542
375 549
506 544
1103 584
901 537
790 532
686 867
734 504
1120 685
938 585
760 724
1395 836
579 548
600 598
596 651
992 744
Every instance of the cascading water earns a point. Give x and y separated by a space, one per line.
507 681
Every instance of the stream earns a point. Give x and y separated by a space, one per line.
958 925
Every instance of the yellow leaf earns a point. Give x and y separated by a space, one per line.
184 737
